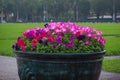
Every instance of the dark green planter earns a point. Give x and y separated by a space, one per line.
51 66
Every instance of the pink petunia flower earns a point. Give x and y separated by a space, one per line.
87 42
23 48
69 45
34 42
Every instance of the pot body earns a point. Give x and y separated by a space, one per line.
48 66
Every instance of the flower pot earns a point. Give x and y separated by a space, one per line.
59 66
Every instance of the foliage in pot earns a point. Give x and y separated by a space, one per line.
60 50
59 37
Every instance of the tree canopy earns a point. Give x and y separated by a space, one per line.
43 10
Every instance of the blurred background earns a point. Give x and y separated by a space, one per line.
59 10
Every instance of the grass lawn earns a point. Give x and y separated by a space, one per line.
5 47
113 45
111 65
10 31
106 28
13 30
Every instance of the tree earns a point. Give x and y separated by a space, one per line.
84 9
116 8
98 8
30 10
2 8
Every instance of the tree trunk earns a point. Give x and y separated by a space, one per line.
114 12
26 17
98 15
2 16
76 13
17 17
32 18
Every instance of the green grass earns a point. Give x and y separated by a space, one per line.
106 28
13 30
112 45
10 31
111 65
5 47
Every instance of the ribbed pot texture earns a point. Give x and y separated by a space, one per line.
59 66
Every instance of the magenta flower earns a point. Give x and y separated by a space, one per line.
99 32
25 33
87 42
58 39
90 35
23 48
33 46
64 30
61 35
34 41
103 41
72 39
69 45
54 46
57 30
50 38
30 34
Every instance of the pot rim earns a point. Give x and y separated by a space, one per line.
64 54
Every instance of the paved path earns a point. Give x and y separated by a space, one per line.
8 70
111 57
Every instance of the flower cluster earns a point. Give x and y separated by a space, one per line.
58 37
